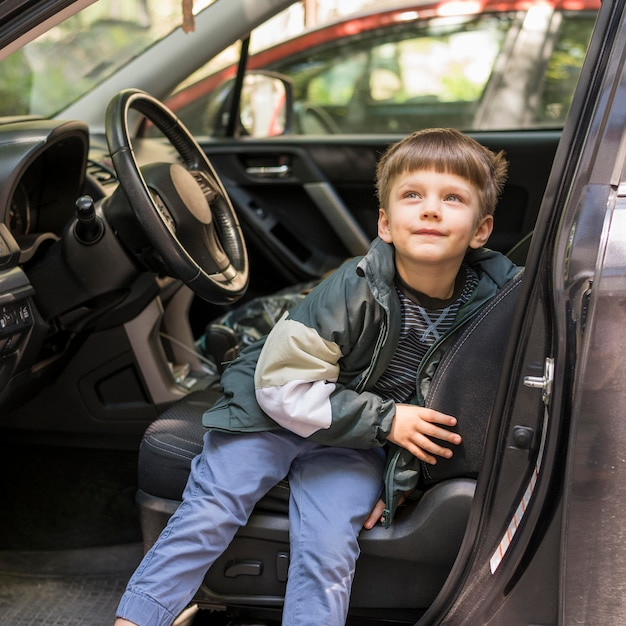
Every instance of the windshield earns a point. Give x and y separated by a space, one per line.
66 62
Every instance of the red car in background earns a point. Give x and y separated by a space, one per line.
474 65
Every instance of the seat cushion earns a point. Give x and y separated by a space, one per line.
172 441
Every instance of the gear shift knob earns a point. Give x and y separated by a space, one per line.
88 228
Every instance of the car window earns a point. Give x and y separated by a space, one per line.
433 74
69 60
563 68
513 66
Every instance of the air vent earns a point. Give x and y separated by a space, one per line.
101 173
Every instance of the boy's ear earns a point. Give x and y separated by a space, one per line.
483 232
383 225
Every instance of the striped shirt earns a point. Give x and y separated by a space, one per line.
422 326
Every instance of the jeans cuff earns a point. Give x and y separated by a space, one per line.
143 610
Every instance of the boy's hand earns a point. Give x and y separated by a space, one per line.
413 426
375 515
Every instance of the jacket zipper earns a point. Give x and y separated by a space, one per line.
382 339
388 511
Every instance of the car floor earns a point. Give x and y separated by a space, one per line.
69 534
64 587
70 538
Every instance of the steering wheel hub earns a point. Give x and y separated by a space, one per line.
190 193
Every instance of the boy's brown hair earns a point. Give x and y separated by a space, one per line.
444 150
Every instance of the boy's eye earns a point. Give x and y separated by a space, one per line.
453 198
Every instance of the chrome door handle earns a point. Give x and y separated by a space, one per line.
269 171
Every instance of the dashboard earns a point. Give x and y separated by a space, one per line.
61 294
42 173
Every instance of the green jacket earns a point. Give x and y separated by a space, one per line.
314 371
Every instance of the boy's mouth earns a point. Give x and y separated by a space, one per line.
429 232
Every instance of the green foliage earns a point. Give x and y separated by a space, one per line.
15 85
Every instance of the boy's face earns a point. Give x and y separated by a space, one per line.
432 218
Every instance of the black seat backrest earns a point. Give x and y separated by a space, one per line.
466 382
519 252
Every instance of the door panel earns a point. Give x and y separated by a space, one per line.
307 207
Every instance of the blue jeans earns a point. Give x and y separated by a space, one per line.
333 490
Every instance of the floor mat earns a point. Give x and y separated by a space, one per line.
67 588
67 498
76 601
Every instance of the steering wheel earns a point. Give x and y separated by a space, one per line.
184 211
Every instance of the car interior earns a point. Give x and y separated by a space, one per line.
136 260
121 338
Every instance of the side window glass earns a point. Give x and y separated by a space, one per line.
496 70
433 74
564 68
335 84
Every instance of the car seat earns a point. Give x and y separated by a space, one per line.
401 568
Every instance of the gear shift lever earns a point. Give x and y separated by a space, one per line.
88 228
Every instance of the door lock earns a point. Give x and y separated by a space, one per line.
543 382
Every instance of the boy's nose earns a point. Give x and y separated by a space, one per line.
431 208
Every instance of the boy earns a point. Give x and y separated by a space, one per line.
320 397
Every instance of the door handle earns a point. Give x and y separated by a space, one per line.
269 171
